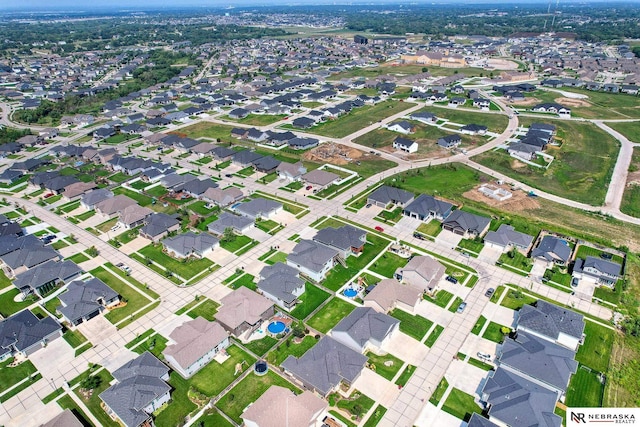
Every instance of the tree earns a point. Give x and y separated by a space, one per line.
93 252
91 382
229 235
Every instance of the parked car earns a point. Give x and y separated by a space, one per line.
489 292
482 355
451 279
228 175
461 307
115 227
418 236
378 228
309 187
574 282
46 196
368 205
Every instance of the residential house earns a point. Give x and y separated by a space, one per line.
325 366
320 178
245 158
558 109
195 187
473 129
389 294
425 207
506 237
300 143
302 410
266 164
63 419
552 323
347 240
478 420
553 250
598 270
259 208
291 171
190 244
194 344
158 225
466 224
449 141
421 272
406 145
523 150
313 259
538 360
45 277
141 388
365 329
23 334
243 311
85 300
424 117
133 216
385 194
238 223
222 197
78 189
402 127
114 205
282 284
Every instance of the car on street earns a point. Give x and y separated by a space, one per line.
461 307
378 228
418 236
489 292
451 279
228 175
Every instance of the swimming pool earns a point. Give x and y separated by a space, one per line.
276 327
350 292
235 205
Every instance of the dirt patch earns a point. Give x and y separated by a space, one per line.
517 203
633 178
571 102
336 154
526 102
501 64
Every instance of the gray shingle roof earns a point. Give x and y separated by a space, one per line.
467 221
24 329
386 194
228 220
479 421
506 235
157 224
519 402
602 265
343 238
326 364
45 273
280 280
258 207
551 245
190 242
539 359
96 196
81 298
311 255
424 204
364 323
549 320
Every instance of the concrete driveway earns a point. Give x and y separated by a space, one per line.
405 348
489 255
467 377
434 313
499 314
57 350
257 234
473 344
539 267
431 416
448 238
379 389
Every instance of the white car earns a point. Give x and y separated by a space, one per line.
115 227
484 356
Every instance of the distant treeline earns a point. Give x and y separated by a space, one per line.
11 134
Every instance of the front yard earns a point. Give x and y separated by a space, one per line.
186 269
413 325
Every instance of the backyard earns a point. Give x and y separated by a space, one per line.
329 315
223 373
310 299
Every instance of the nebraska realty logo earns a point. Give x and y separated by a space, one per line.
602 416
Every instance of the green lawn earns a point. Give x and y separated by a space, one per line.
357 404
461 405
135 300
138 339
207 310
455 304
431 228
472 246
310 299
212 418
223 373
173 414
74 338
4 280
237 243
276 257
78 258
246 280
93 402
186 270
8 306
582 168
155 344
413 325
478 326
329 315
359 118
386 366
584 251
518 261
11 376
596 350
261 346
585 389
387 264
284 350
248 391
493 333
628 129
515 299
208 130
376 416
433 336
441 299
267 226
140 198
631 199
494 122
438 393
200 207
405 375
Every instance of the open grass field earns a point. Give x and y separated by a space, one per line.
582 167
631 199
604 105
248 391
494 122
208 130
257 119
329 315
629 129
405 70
359 118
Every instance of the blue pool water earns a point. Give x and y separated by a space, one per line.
350 292
235 205
276 327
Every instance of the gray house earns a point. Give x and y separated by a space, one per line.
188 244
515 401
552 323
477 420
92 198
365 329
259 208
449 141
23 333
601 271
538 360
505 237
347 240
45 277
425 207
85 300
140 389
553 249
466 224
159 225
282 284
385 194
325 366
239 224
313 259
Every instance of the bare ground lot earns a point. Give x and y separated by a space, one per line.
519 202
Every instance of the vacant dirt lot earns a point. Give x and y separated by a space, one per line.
517 203
572 102
337 154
